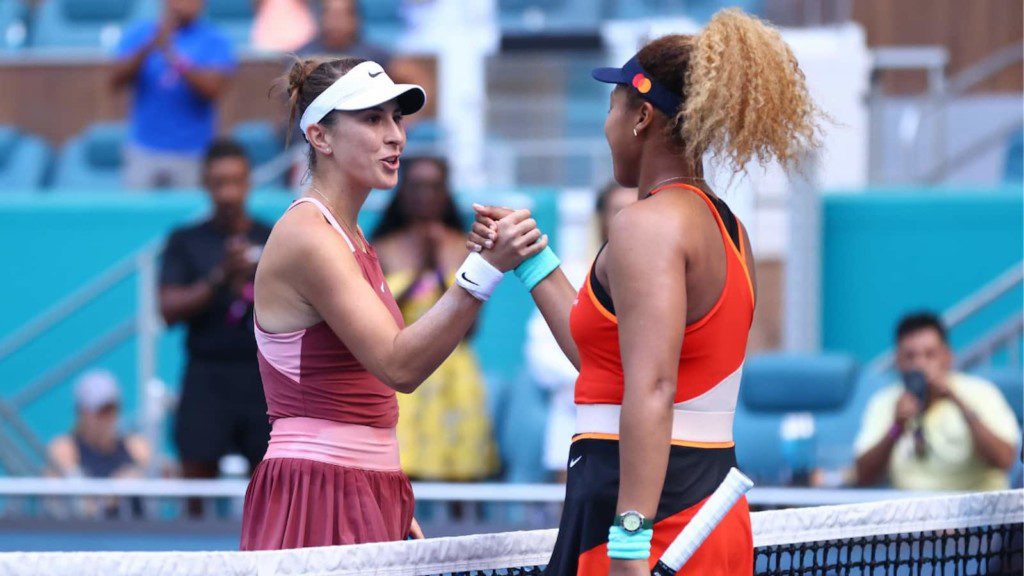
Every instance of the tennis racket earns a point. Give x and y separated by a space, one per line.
703 522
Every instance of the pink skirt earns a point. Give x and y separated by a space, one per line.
298 503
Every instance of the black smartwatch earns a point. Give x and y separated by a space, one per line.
632 522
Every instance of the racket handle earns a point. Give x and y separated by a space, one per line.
662 569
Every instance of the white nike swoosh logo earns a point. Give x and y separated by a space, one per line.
574 461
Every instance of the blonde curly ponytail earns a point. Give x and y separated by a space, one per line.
744 95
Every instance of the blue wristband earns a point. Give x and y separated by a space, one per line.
537 267
625 546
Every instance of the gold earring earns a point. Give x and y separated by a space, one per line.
634 132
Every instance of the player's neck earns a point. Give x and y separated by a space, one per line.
662 167
344 199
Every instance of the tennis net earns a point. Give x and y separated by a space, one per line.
949 535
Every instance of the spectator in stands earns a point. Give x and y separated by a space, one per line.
341 34
178 67
444 431
937 429
547 364
282 25
95 447
207 282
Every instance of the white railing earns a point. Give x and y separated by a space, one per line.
23 451
772 497
968 308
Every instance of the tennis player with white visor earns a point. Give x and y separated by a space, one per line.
333 348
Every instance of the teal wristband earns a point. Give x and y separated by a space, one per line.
537 267
625 546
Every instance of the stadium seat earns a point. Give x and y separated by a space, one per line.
700 10
783 383
584 118
24 160
13 30
776 385
520 422
234 17
1011 383
425 131
261 141
540 15
82 23
93 159
1013 172
382 21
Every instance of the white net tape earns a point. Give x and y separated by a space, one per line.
514 549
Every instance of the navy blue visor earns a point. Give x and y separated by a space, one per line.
632 74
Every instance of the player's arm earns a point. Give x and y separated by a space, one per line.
553 295
647 279
327 275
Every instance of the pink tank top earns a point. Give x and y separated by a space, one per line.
310 373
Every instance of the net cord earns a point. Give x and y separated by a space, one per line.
796 525
794 528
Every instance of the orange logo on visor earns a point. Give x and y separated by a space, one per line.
642 83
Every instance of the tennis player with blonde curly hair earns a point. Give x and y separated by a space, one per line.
659 330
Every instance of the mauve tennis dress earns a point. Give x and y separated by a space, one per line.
331 473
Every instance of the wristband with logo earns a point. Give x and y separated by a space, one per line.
478 277
537 267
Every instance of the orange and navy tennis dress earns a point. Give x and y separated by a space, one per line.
702 452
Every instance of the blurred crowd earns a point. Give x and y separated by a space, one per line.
178 66
931 429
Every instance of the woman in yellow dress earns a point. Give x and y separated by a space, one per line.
444 430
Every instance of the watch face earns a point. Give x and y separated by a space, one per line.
631 522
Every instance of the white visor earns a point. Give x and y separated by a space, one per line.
365 86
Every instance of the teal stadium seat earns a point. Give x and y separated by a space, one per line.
382 21
425 132
82 23
13 30
1013 172
234 17
93 159
261 141
24 160
700 10
549 15
1010 381
775 385
519 420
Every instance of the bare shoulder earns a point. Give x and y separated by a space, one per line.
649 219
138 447
62 451
302 233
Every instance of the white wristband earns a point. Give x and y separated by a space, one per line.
478 277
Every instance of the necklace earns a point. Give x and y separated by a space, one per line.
342 221
674 178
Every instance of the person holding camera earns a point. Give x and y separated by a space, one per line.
936 429
206 282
